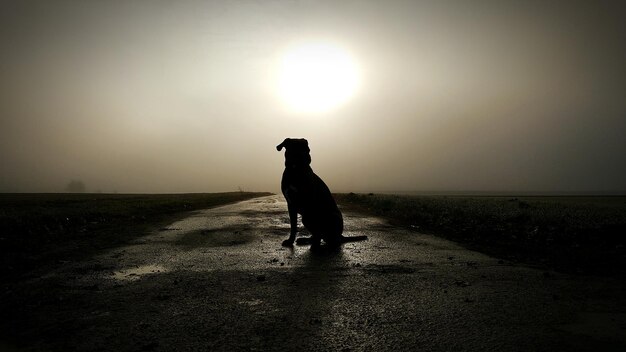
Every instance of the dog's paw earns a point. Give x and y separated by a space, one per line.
287 243
301 241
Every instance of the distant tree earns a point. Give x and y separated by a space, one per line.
75 186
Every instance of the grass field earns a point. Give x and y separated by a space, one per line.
47 229
571 234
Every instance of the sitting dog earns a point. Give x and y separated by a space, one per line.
308 195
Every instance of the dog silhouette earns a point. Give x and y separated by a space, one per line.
308 195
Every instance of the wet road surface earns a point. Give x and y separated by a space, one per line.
219 280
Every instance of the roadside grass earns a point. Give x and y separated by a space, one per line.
569 234
41 230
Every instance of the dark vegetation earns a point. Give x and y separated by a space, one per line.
42 230
569 234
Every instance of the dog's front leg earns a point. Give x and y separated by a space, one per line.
293 220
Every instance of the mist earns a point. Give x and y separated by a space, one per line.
161 97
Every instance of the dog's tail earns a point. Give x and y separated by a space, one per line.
346 239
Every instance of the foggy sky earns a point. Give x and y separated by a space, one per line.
159 96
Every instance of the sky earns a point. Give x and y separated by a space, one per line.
164 97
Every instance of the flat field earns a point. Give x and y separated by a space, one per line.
579 234
48 229
141 273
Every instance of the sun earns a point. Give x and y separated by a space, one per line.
317 77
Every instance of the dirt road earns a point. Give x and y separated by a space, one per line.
220 281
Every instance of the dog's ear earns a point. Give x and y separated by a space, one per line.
280 146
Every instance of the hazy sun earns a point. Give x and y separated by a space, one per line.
317 77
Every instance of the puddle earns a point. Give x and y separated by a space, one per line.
220 237
132 274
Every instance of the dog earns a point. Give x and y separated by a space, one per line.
308 195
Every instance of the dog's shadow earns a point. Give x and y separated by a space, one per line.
317 276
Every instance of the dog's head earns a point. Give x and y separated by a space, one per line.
296 152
